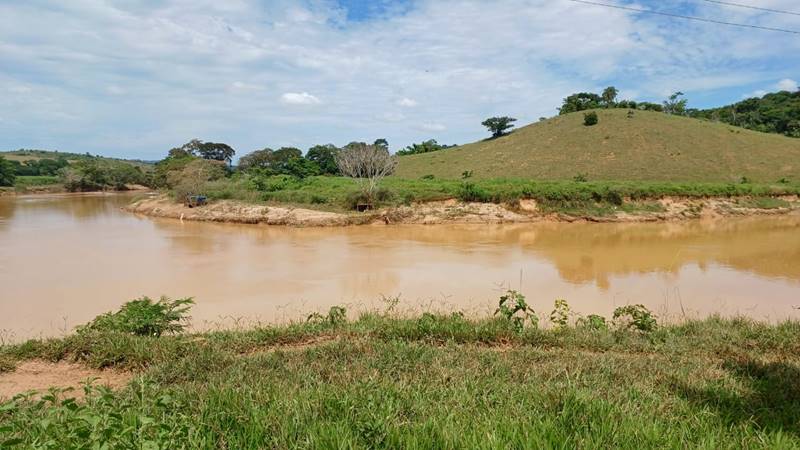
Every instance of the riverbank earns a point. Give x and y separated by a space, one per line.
453 211
432 381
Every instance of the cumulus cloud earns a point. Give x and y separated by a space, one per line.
432 126
407 102
787 85
299 98
233 71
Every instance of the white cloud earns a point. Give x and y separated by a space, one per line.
299 98
240 86
787 85
407 102
758 93
185 60
432 126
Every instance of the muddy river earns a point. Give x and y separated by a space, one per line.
66 258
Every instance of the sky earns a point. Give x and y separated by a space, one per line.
134 78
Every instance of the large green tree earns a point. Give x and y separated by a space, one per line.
777 112
580 102
498 126
423 147
675 104
7 175
216 151
325 158
610 96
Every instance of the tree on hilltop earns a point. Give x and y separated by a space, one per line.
498 125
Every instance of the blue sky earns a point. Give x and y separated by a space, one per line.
135 78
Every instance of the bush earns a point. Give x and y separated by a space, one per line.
635 316
7 174
360 197
593 322
470 192
143 317
93 174
194 177
590 119
514 308
337 316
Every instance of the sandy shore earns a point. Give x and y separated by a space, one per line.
441 212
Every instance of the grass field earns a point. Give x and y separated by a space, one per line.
332 193
649 146
434 381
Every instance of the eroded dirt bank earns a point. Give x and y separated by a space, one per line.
449 211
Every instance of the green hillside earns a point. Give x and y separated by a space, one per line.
648 146
35 155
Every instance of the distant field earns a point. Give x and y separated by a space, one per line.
649 146
35 155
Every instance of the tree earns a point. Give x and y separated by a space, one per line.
609 96
367 164
424 147
580 102
382 143
194 176
498 125
590 118
259 159
216 151
190 148
325 157
7 175
675 104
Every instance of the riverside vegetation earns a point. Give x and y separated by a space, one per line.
626 160
431 381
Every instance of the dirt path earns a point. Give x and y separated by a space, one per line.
444 212
41 375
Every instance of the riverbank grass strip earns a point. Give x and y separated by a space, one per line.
433 381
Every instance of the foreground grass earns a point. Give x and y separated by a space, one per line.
596 198
434 381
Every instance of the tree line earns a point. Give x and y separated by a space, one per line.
777 112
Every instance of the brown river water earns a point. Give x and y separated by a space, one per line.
66 258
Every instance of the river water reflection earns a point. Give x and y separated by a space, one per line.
66 258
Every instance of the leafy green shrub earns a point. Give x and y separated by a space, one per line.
590 119
143 317
337 316
514 308
581 178
359 197
470 192
635 316
560 315
593 322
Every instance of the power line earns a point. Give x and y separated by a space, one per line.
681 16
758 8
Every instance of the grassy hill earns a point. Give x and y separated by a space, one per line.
648 146
35 155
